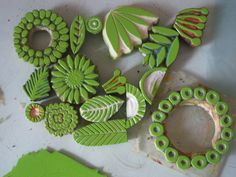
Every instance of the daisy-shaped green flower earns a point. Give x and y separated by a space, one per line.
74 79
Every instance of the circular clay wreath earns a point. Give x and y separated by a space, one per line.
41 20
208 100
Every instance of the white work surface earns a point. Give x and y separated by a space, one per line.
214 63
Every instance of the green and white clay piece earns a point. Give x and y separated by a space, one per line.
100 108
125 27
74 78
34 112
150 83
94 25
116 84
61 119
190 24
41 20
135 105
77 34
37 87
102 133
162 47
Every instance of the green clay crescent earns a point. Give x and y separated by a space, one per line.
94 25
39 20
61 119
34 112
150 83
135 105
74 78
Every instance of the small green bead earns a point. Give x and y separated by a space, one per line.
64 37
42 13
64 31
37 22
161 143
226 121
36 62
46 60
213 157
54 44
48 13
17 29
227 134
21 54
57 54
24 41
25 48
199 162
171 154
61 49
186 93
53 17
58 20
221 146
61 25
199 93
174 98
55 35
21 25
23 20
221 108
31 52
29 26
52 27
17 36
212 97
53 59
41 62
165 106
24 33
39 54
36 13
31 60
47 51
183 162
30 17
26 58
158 116
156 129
45 22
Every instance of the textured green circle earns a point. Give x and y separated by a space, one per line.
213 156
156 129
94 25
171 154
212 97
161 143
226 121
158 116
227 134
199 162
41 20
221 108
186 93
183 162
34 112
221 146
174 98
165 106
199 93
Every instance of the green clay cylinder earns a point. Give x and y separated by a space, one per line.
227 134
199 93
183 162
34 112
213 157
165 106
186 93
161 143
226 121
94 25
212 97
221 146
175 98
199 162
221 108
156 129
171 154
158 116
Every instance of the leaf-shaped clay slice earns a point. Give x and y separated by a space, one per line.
125 28
102 133
100 108
135 105
150 83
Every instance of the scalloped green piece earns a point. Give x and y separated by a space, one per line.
100 108
94 24
34 112
77 34
102 133
135 105
37 87
150 82
125 27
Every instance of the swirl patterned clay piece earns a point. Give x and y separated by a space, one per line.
211 103
41 20
94 25
116 84
34 112
135 105
125 27
61 119
74 78
162 49
100 108
190 24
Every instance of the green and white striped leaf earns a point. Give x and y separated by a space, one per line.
125 27
77 34
37 87
100 108
102 133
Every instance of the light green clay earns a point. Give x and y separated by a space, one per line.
50 164
186 93
199 93
150 83
221 146
199 162
156 129
135 105
158 116
195 11
125 27
74 78
61 119
94 25
116 84
212 97
37 87
34 112
161 143
77 34
183 162
171 154
227 134
102 133
175 98
226 121
100 108
213 157
165 106
221 108
31 23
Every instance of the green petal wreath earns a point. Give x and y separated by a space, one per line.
75 79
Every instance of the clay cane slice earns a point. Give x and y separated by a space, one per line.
34 112
150 83
135 105
94 25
